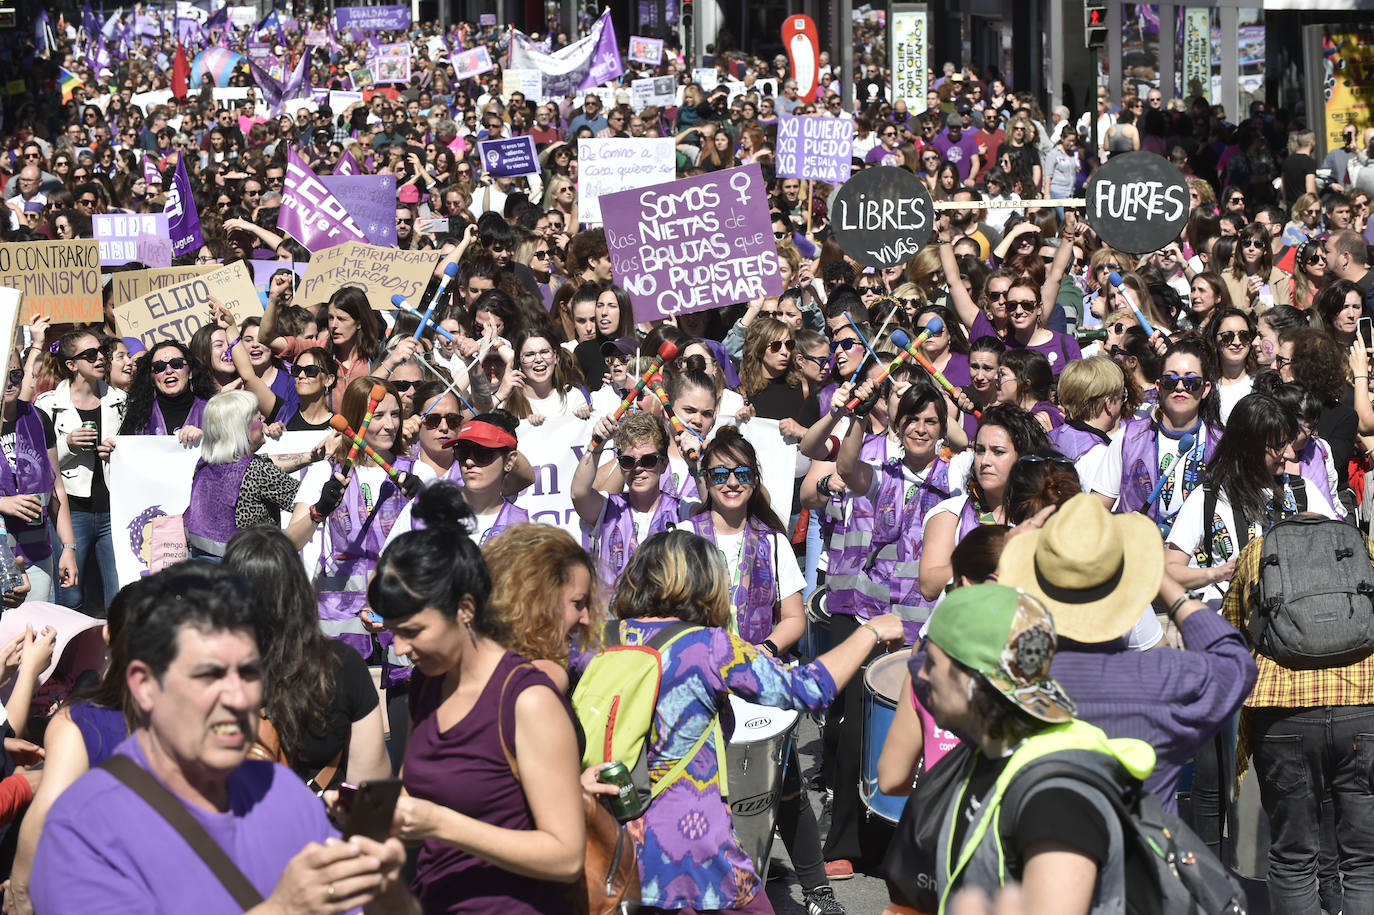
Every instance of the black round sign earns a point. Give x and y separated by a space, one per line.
882 216
1137 202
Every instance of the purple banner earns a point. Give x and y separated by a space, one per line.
372 17
693 244
510 157
310 213
118 234
347 165
818 147
183 222
371 201
586 63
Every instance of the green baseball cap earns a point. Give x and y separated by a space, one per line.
1007 636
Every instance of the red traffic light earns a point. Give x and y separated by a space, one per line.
1095 17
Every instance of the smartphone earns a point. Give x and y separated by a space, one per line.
433 226
369 807
1367 332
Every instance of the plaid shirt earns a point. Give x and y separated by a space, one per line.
1279 686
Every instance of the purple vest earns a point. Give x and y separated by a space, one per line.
1073 440
879 563
872 451
209 518
753 594
617 540
1140 465
509 515
158 426
31 474
1312 467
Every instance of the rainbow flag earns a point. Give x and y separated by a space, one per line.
68 81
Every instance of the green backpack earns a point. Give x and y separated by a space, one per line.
615 701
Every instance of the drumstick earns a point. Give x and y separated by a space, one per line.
678 425
1115 279
374 397
401 304
451 388
665 353
341 426
935 373
450 271
905 346
864 361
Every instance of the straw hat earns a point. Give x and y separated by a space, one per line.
1094 570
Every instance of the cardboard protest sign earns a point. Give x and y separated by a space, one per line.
153 250
693 244
818 147
528 82
118 234
882 216
391 70
380 272
60 279
486 19
178 311
1137 202
652 90
617 164
11 313
646 50
509 157
472 63
370 200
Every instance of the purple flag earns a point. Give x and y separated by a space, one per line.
267 85
582 65
150 173
371 201
310 213
182 218
347 165
296 85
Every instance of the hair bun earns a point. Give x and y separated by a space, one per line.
442 507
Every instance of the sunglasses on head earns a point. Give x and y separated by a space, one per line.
87 355
778 346
1047 459
432 420
719 476
1190 383
480 455
628 462
309 371
176 364
1227 337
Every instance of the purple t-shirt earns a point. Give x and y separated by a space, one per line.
881 155
1060 349
104 849
960 153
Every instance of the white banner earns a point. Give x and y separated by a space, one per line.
618 164
777 461
1197 53
151 477
553 448
908 54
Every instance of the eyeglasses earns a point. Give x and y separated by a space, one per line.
404 386
1312 211
778 346
628 462
87 201
87 355
1316 257
1190 383
1030 306
1227 337
433 420
176 363
402 221
544 353
1252 243
719 476
478 455
309 371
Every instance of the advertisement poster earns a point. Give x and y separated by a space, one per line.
1347 85
909 54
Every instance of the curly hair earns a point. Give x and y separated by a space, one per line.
676 574
143 393
753 377
530 564
1320 363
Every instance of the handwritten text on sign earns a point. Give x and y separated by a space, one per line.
380 272
694 244
882 216
179 311
819 148
618 164
1137 202
135 284
60 279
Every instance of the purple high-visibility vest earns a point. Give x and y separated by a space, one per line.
755 590
617 539
209 517
30 474
1140 463
1074 439
1312 467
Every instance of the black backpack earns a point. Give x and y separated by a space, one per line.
1168 868
1314 598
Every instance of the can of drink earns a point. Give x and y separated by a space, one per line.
89 424
624 806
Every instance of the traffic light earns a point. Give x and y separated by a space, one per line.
1094 24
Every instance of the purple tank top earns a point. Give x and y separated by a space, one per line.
102 729
31 473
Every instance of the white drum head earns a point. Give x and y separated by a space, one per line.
759 722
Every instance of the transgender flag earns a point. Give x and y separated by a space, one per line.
215 63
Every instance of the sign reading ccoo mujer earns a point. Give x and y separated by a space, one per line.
882 216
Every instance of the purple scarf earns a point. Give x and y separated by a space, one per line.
158 426
753 594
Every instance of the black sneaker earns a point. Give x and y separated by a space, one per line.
822 901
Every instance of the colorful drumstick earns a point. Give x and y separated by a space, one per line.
866 344
666 352
678 426
935 373
343 428
374 397
905 346
864 361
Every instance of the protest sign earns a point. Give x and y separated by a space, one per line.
777 462
529 83
118 234
370 200
436 47
60 279
819 147
652 90
617 164
1137 202
372 18
316 38
706 77
263 270
340 100
646 50
553 449
134 284
486 19
472 63
153 250
882 216
360 78
590 61
177 312
908 54
395 49
380 272
693 244
243 17
261 51
310 213
391 70
509 157
11 313
154 473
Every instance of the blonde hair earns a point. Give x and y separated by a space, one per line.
676 574
1087 384
530 565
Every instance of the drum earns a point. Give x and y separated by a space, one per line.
816 641
755 758
882 691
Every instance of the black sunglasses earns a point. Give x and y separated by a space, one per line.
629 462
176 364
403 386
1191 383
480 455
309 371
87 355
432 420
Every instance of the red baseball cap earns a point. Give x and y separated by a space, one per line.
488 435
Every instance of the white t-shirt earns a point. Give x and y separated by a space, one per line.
557 404
1188 530
786 569
1107 479
1228 395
